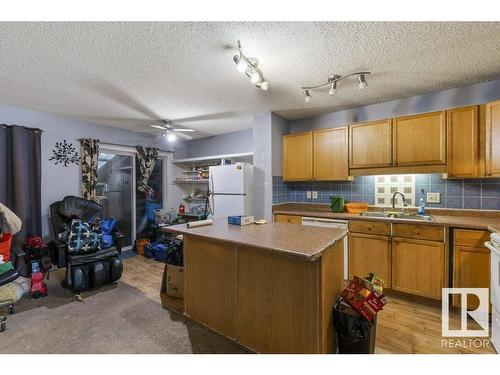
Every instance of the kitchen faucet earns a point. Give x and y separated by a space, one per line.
394 201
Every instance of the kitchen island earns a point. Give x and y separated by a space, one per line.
270 288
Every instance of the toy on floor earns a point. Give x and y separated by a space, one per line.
38 287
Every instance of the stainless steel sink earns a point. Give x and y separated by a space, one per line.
397 216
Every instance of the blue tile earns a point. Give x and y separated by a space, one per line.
357 189
473 181
369 200
472 203
472 190
368 180
436 179
438 205
454 188
347 196
419 187
357 198
491 181
454 202
490 203
490 190
369 190
437 189
422 179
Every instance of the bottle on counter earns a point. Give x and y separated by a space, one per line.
421 207
182 209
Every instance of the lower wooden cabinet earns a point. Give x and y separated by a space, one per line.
471 263
370 254
290 219
418 267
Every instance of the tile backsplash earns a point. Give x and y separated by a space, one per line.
469 194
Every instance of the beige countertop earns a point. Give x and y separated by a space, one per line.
484 220
290 239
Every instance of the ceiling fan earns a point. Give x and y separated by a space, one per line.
168 129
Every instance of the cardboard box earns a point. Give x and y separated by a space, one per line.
175 281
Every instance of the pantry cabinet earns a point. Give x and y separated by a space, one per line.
418 267
493 139
298 157
420 139
370 144
331 154
471 263
463 150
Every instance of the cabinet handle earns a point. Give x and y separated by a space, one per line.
370 228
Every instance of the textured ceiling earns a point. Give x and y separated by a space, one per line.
127 74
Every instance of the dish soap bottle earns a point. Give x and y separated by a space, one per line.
421 207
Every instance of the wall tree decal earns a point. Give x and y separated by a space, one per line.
65 153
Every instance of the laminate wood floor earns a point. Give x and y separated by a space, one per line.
407 324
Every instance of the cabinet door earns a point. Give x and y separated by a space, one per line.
370 254
290 219
463 142
420 140
493 139
418 267
331 154
298 157
370 144
471 269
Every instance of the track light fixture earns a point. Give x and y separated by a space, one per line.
249 66
332 82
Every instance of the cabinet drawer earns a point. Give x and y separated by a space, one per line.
474 238
370 227
290 219
419 232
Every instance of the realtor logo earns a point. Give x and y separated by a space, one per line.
480 315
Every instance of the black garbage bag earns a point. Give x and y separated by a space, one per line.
174 253
355 334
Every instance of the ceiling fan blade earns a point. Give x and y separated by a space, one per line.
158 127
185 136
183 130
145 130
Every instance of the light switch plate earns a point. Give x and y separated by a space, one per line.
308 195
315 195
433 197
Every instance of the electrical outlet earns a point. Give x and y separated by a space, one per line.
315 195
433 197
308 195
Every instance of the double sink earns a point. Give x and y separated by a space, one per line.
397 215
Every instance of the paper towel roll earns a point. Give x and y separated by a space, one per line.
201 223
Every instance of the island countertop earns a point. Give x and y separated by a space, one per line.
295 240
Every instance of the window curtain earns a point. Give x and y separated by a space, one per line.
21 178
146 156
89 154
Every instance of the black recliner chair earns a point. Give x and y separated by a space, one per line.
90 270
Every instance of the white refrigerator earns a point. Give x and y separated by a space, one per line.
231 190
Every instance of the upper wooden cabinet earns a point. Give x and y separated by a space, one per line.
298 157
420 139
331 154
463 142
370 144
493 139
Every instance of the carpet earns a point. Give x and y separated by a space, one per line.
114 319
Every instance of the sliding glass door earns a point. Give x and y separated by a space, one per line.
116 190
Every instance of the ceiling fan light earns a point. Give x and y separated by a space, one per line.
362 82
264 85
171 137
333 89
241 64
254 77
307 95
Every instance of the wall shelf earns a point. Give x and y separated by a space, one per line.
190 181
243 155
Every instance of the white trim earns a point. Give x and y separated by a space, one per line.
131 149
213 157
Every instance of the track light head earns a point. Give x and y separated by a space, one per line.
307 95
264 85
362 82
333 88
241 64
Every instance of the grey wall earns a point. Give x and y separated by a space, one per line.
229 143
279 128
59 181
458 97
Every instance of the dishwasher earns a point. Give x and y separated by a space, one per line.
332 223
